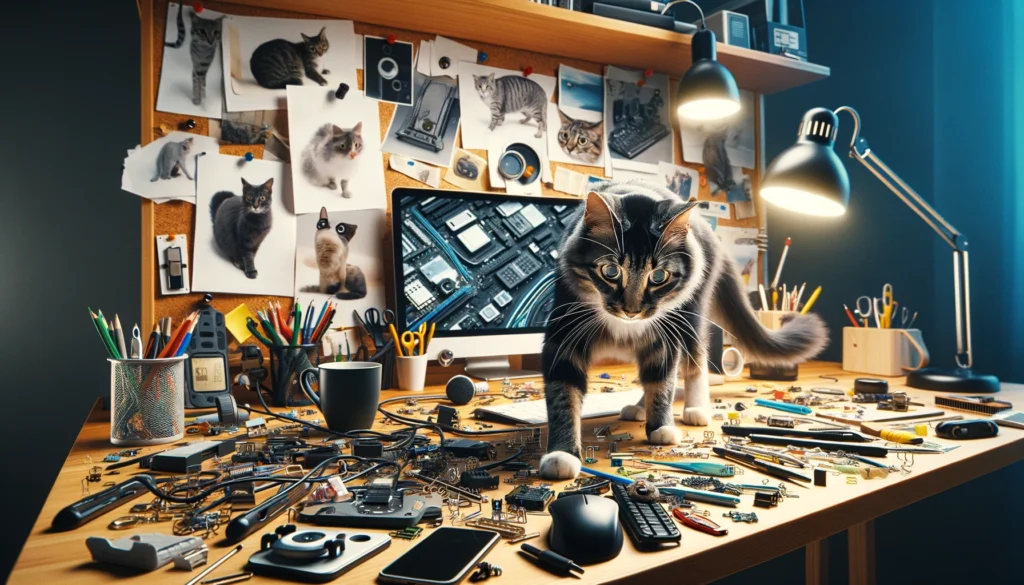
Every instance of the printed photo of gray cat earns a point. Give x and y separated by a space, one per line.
173 160
328 159
510 95
191 79
721 143
338 277
503 106
278 63
165 169
241 222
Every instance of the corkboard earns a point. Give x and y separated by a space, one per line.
179 217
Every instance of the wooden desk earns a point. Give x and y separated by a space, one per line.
803 522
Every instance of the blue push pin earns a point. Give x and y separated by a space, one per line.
605 376
249 156
411 163
482 57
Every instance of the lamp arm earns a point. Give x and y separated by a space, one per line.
861 151
691 2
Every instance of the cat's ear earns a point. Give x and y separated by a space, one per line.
357 129
323 213
268 185
246 186
598 216
490 77
306 39
593 125
477 78
336 130
565 119
321 33
677 226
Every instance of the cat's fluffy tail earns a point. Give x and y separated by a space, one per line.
216 200
800 338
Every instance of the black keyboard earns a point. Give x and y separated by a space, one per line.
630 140
647 523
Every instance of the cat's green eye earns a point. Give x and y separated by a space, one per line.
659 276
611 271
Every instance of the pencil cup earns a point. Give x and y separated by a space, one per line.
286 362
883 352
412 372
147 401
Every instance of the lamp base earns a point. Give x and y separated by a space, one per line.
956 380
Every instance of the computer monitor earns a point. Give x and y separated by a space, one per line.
482 267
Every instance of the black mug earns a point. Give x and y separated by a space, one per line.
349 393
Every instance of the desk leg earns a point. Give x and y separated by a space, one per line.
816 563
862 553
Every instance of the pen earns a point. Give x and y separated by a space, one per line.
836 435
714 469
849 316
297 324
764 298
752 462
810 301
858 448
153 340
550 560
783 406
782 261
776 457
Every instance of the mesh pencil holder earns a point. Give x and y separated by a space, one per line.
147 401
286 362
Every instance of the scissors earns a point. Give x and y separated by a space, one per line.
412 342
886 317
377 322
904 317
362 354
136 343
872 310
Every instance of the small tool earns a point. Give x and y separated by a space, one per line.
870 312
550 560
698 522
714 469
136 343
887 307
783 406
836 435
764 467
214 566
377 321
412 341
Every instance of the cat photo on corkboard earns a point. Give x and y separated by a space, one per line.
721 143
335 146
263 56
682 181
502 106
338 257
245 230
426 130
165 169
576 123
192 74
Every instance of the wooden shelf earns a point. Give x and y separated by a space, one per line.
553 31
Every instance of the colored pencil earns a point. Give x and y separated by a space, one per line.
186 340
849 315
107 343
297 326
179 334
119 336
105 327
321 324
782 262
283 328
151 344
810 301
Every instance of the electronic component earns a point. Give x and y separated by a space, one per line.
182 459
147 552
508 208
427 121
447 416
206 371
532 498
489 313
461 389
966 429
375 506
92 506
1010 419
418 294
502 299
460 220
533 216
478 479
175 266
313 555
979 404
444 557
518 271
467 447
782 422
870 386
436 270
647 523
474 238
367 448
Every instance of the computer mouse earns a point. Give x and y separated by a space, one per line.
585 528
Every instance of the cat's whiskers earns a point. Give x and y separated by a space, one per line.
689 330
616 254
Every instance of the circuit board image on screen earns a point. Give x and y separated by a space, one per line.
478 262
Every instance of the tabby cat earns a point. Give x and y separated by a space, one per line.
580 140
243 133
337 276
278 63
511 94
172 159
241 223
638 277
203 49
331 154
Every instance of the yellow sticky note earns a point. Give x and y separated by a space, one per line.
235 321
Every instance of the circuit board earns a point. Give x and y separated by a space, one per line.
473 261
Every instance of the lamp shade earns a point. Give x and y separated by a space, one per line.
808 177
707 90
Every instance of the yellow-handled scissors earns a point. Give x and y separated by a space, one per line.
886 317
412 342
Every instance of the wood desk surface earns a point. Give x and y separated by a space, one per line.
817 513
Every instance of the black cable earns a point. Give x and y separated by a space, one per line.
447 428
503 461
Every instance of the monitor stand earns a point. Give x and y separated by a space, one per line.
495 368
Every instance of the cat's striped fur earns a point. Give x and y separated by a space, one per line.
639 230
279 63
203 49
180 40
579 139
511 94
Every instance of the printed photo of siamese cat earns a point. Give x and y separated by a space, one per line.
337 277
644 279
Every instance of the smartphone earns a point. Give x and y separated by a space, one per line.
1010 418
443 558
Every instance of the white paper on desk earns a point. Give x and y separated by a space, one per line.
714 209
416 170
141 174
456 53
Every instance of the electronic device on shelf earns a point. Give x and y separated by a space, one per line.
481 266
376 506
647 523
206 373
313 555
443 558
535 412
425 124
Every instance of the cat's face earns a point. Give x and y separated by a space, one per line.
206 30
347 141
630 259
317 44
345 231
579 139
484 84
257 198
186 145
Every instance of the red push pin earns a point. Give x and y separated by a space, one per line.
197 7
648 72
527 71
391 39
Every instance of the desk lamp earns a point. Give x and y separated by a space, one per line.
809 178
707 91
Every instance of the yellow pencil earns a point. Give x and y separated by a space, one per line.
394 336
810 301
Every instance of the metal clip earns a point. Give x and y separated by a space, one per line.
505 529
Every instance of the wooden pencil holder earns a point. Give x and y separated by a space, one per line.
883 352
773 319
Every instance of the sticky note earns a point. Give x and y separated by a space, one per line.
235 322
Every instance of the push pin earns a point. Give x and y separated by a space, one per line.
342 91
249 157
411 163
391 39
648 72
444 62
527 71
163 129
528 172
481 57
197 7
188 124
640 82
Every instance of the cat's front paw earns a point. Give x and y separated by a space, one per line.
346 194
696 416
322 83
197 101
540 133
331 185
666 435
633 412
559 465
251 274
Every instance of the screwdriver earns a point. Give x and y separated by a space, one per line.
550 560
714 469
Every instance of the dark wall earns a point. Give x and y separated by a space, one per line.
69 236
